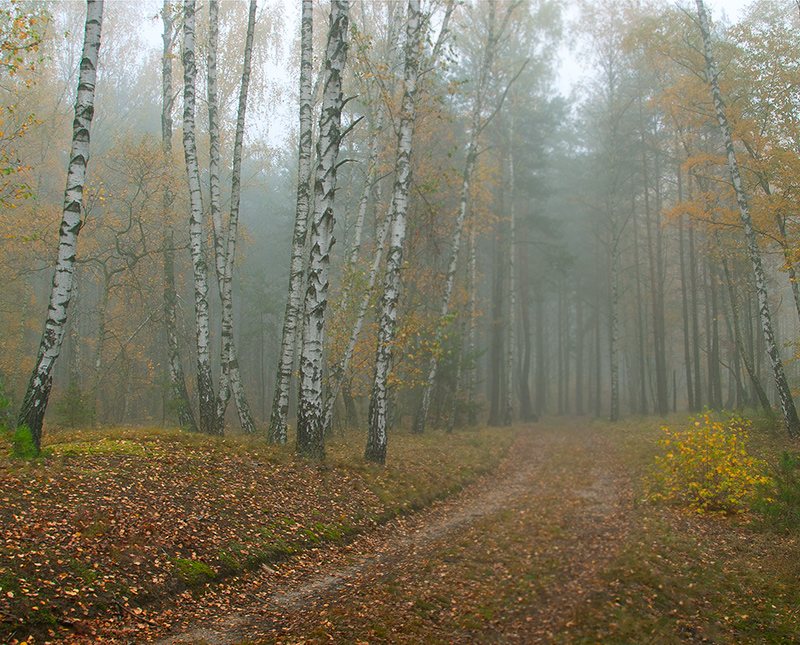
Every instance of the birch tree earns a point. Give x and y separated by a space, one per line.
177 380
205 382
310 431
387 321
477 124
753 251
226 233
41 381
280 404
230 357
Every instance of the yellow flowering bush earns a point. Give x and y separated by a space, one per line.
706 467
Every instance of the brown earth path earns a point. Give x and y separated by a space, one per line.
509 560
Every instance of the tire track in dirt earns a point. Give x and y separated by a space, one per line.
529 478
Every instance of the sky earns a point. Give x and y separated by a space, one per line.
572 70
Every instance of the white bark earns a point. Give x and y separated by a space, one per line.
38 392
340 371
179 397
377 437
214 198
230 357
310 431
781 384
280 403
205 383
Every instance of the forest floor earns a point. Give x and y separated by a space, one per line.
525 535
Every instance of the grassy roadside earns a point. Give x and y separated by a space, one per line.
682 577
578 558
109 524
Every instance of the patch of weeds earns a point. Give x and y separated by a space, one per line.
83 571
9 583
102 447
778 501
228 562
193 573
22 445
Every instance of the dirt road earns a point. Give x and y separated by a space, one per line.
508 560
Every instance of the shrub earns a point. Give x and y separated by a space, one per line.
706 467
22 445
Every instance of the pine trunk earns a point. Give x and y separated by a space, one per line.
36 397
512 290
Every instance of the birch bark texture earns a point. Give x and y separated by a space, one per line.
226 232
280 403
230 356
179 397
784 393
36 397
310 429
387 322
205 382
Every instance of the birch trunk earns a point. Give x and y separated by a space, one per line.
179 397
38 392
763 399
310 431
205 382
781 384
230 361
340 370
280 403
214 199
387 322
472 154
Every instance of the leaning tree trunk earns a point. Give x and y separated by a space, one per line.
782 385
310 429
476 126
763 399
179 396
205 382
387 321
229 357
340 370
280 403
35 402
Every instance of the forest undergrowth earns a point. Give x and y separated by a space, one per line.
133 535
108 528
